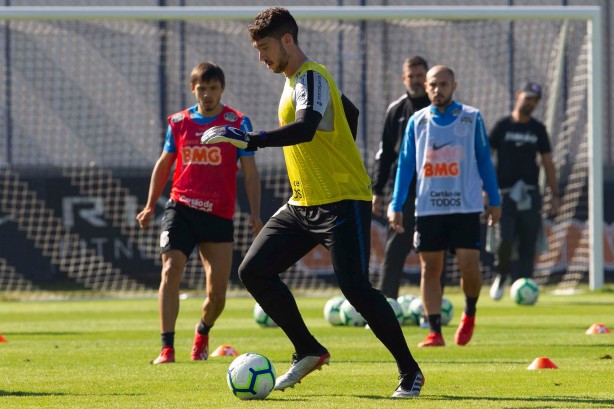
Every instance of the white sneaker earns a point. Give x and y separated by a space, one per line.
496 290
301 367
410 385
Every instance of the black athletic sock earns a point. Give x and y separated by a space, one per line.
411 369
470 305
320 351
203 329
435 323
168 339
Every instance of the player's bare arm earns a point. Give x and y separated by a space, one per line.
252 189
159 177
493 214
377 204
396 221
550 171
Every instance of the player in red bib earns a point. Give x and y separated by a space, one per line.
201 207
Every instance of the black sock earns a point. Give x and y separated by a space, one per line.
203 329
470 303
435 323
411 369
319 351
168 339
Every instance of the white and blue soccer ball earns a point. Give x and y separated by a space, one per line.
349 315
447 311
524 291
332 310
404 301
262 318
416 311
396 307
251 376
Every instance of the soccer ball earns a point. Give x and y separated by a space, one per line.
524 291
349 315
447 311
262 317
332 310
404 301
416 311
251 376
396 307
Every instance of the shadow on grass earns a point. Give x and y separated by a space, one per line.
600 403
605 345
286 399
588 303
542 400
441 361
28 394
23 393
41 333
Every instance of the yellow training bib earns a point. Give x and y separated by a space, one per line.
329 168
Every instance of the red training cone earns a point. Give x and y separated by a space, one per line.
2 339
542 363
225 350
597 329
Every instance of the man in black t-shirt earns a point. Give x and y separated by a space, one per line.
398 245
517 139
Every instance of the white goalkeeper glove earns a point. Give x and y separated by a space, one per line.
232 135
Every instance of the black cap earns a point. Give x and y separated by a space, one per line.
532 89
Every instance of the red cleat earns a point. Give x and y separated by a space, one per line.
432 340
465 330
167 356
200 347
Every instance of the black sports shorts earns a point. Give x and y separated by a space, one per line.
184 227
447 232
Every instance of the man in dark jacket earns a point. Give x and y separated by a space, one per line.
398 245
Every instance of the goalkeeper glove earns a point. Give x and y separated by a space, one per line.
230 134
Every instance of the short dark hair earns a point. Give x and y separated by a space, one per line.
273 22
416 61
207 71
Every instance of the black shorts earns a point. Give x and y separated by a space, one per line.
448 232
344 228
184 227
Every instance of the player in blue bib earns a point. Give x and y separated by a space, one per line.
446 144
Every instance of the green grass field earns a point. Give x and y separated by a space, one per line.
96 354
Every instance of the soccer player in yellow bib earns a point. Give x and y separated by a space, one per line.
330 203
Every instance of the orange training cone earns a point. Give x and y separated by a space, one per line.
597 329
2 339
225 350
542 363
